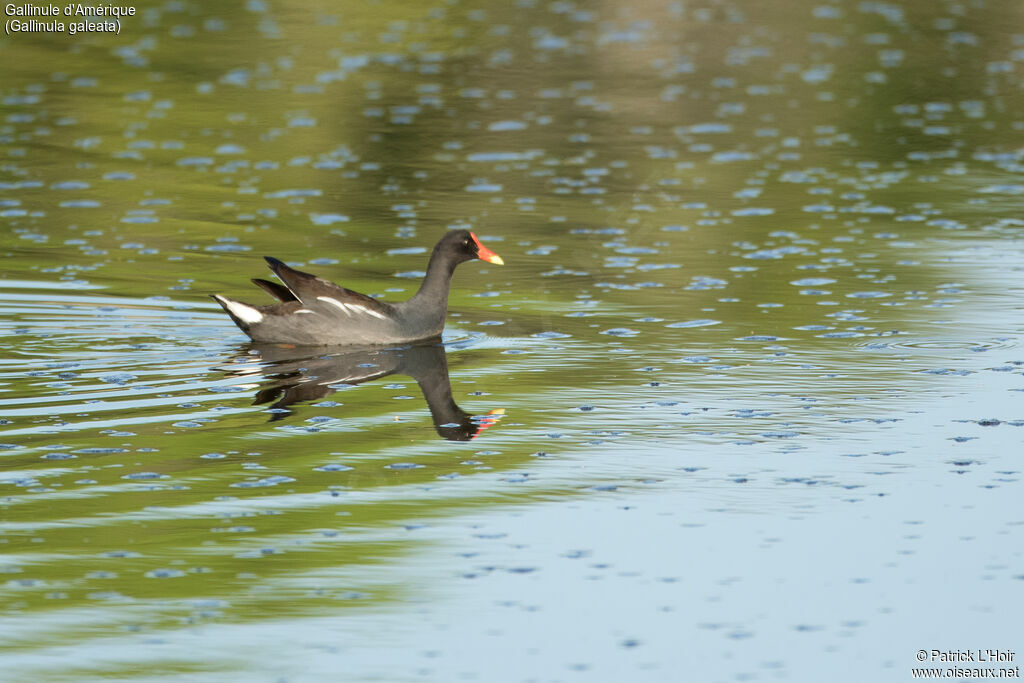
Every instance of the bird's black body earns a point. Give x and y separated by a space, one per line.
313 311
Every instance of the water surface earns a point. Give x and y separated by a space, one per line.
745 402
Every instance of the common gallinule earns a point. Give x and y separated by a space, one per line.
313 311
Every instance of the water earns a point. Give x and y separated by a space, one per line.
745 402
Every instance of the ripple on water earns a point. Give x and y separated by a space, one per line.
841 335
335 467
812 281
699 322
261 483
904 343
143 476
164 574
484 187
327 218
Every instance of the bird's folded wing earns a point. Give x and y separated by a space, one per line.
320 295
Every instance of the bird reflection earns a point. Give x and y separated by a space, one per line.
296 374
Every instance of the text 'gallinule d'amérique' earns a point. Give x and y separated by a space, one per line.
313 311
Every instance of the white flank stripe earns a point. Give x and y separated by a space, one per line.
350 308
303 310
334 302
247 314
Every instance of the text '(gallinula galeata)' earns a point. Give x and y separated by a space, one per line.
312 311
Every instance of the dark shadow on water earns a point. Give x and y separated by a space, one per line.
300 374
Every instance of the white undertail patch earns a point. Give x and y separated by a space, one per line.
247 314
350 308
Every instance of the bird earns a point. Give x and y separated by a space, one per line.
312 311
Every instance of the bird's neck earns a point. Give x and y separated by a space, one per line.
434 288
